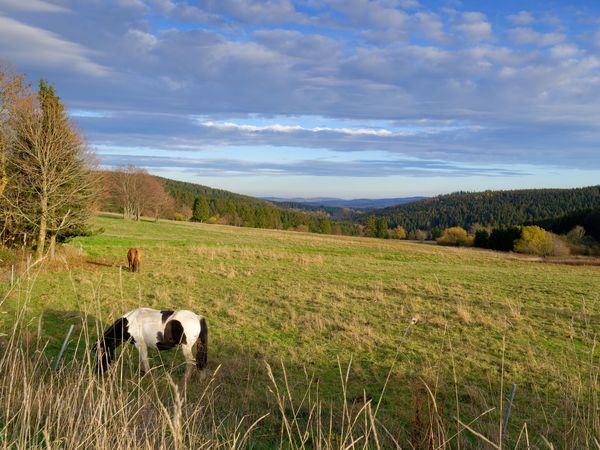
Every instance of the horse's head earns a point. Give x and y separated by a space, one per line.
113 337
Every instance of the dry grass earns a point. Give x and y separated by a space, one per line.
435 335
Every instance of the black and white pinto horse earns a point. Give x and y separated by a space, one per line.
159 330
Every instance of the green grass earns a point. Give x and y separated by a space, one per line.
310 301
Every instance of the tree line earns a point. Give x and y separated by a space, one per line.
489 208
48 188
224 207
132 192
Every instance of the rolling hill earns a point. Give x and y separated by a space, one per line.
492 208
357 203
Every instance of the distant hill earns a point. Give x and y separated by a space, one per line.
185 193
244 210
489 208
358 203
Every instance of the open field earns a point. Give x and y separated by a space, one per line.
463 323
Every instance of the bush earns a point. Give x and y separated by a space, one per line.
397 233
559 246
482 238
436 233
504 238
420 235
456 236
537 241
576 234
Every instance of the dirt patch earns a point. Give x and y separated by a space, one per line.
568 261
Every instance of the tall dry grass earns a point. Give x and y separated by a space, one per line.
74 408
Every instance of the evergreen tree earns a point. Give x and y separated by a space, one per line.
53 182
371 227
325 225
381 228
200 211
436 233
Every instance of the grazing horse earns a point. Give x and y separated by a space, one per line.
160 330
134 259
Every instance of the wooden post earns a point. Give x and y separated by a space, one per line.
62 349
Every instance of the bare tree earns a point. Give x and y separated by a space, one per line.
157 199
52 186
14 91
127 188
137 192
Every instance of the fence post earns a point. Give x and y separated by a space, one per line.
508 407
62 349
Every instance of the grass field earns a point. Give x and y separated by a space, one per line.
452 328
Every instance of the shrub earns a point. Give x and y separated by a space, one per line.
436 233
503 238
397 233
420 235
576 234
456 236
535 241
482 238
559 246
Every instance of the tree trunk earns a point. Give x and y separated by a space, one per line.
41 240
52 246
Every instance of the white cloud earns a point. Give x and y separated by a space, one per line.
136 5
522 18
140 41
278 128
430 25
475 26
25 44
37 6
564 51
528 36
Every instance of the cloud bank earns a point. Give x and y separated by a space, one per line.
437 83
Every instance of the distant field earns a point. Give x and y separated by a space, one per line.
461 321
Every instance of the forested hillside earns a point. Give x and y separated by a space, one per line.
185 193
589 219
492 208
243 210
335 212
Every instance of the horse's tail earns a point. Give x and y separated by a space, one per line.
202 345
113 337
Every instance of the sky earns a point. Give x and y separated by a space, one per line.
337 98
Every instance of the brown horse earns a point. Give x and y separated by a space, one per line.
134 259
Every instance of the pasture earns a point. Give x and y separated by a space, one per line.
446 331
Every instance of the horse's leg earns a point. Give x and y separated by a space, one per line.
189 360
143 351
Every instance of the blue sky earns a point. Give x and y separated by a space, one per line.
345 98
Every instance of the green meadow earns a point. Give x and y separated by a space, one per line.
431 338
